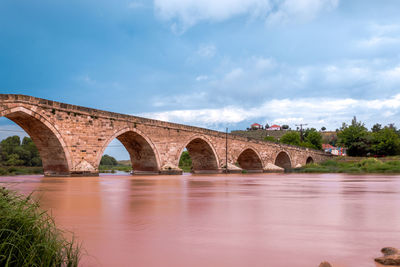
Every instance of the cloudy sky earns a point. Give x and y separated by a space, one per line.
209 63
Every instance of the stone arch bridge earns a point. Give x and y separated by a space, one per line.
71 141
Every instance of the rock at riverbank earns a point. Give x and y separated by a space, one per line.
234 169
273 168
391 256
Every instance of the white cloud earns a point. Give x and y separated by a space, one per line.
304 10
186 13
381 35
255 80
201 78
377 41
317 112
207 50
202 117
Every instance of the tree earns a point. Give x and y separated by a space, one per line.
291 138
13 160
267 126
323 128
108 160
314 138
34 157
386 142
285 127
9 144
15 153
376 128
355 137
185 162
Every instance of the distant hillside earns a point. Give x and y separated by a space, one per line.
125 162
260 133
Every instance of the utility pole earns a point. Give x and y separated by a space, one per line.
226 150
301 130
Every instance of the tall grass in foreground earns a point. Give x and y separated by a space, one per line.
29 236
369 165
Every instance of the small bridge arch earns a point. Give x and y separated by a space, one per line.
203 155
56 159
309 160
283 160
250 160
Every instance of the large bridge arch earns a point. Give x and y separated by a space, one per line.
54 152
203 154
142 151
250 160
283 160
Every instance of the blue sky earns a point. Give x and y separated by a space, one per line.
209 63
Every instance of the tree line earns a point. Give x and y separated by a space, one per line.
14 152
379 141
355 137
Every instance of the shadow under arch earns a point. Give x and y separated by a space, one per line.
250 160
283 160
309 160
203 155
142 152
53 151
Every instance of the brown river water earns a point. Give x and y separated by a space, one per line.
224 220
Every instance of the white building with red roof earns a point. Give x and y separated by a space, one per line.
256 126
274 128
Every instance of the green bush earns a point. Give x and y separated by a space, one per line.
185 162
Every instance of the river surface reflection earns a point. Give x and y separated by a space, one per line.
224 220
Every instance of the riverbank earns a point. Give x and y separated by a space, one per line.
353 165
114 168
19 170
29 236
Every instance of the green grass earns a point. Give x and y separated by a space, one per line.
113 169
353 165
186 168
29 237
19 170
